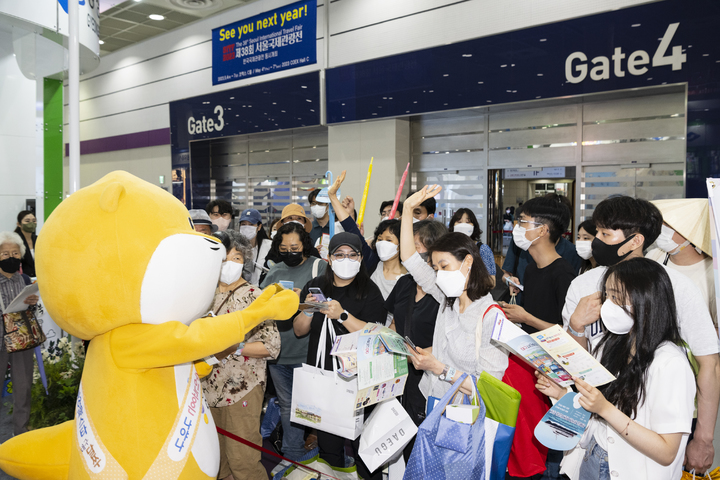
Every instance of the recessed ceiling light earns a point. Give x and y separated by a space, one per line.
155 16
102 42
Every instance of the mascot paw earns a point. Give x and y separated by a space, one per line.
275 303
202 368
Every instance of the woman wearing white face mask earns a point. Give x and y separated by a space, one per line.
236 387
643 418
583 245
251 227
387 248
461 341
465 221
355 301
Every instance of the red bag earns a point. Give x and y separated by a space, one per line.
527 455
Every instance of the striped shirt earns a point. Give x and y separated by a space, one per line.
9 289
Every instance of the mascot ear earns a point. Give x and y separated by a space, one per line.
110 198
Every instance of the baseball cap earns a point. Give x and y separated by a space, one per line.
296 210
345 238
251 215
200 217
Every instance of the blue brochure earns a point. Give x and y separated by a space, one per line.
563 425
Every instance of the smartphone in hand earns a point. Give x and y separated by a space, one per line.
318 294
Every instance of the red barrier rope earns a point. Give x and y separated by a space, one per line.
270 452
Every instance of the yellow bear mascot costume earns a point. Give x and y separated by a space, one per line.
120 263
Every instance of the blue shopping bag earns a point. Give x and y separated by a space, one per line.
438 455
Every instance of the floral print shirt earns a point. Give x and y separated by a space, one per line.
237 375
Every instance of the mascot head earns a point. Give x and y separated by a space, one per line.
124 251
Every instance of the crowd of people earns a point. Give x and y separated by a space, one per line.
647 314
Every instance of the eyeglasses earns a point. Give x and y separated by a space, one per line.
342 256
292 249
528 221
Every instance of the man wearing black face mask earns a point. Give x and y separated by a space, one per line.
296 264
11 284
626 227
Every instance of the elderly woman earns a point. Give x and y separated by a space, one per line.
235 388
12 250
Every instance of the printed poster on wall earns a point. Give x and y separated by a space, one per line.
277 40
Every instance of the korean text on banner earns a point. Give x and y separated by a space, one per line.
277 40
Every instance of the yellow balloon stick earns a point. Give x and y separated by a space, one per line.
361 214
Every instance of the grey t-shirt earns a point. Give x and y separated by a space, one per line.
293 349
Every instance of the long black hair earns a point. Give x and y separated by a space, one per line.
460 246
644 285
361 280
477 231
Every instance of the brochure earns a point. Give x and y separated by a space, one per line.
18 303
551 351
563 425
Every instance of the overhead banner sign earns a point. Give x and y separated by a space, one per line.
270 42
546 172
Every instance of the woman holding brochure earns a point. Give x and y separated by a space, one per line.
642 419
459 281
353 301
12 250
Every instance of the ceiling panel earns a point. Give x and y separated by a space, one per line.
128 22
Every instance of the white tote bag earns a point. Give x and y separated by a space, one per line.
387 430
322 399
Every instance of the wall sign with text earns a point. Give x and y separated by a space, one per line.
277 40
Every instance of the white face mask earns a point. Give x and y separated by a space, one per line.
615 318
386 250
318 211
273 233
466 228
385 218
519 236
296 221
346 268
584 249
415 220
248 231
230 272
666 243
452 283
222 223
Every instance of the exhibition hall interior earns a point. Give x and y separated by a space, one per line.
338 157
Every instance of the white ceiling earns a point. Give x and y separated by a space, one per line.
124 23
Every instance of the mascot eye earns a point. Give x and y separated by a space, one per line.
192 227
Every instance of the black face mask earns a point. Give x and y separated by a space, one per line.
607 255
10 265
292 259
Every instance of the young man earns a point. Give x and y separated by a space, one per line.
386 208
541 222
627 226
424 211
321 214
221 213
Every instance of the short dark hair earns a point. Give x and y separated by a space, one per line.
24 214
460 246
430 204
392 225
457 216
428 231
223 207
548 211
287 229
589 227
389 203
631 215
312 195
